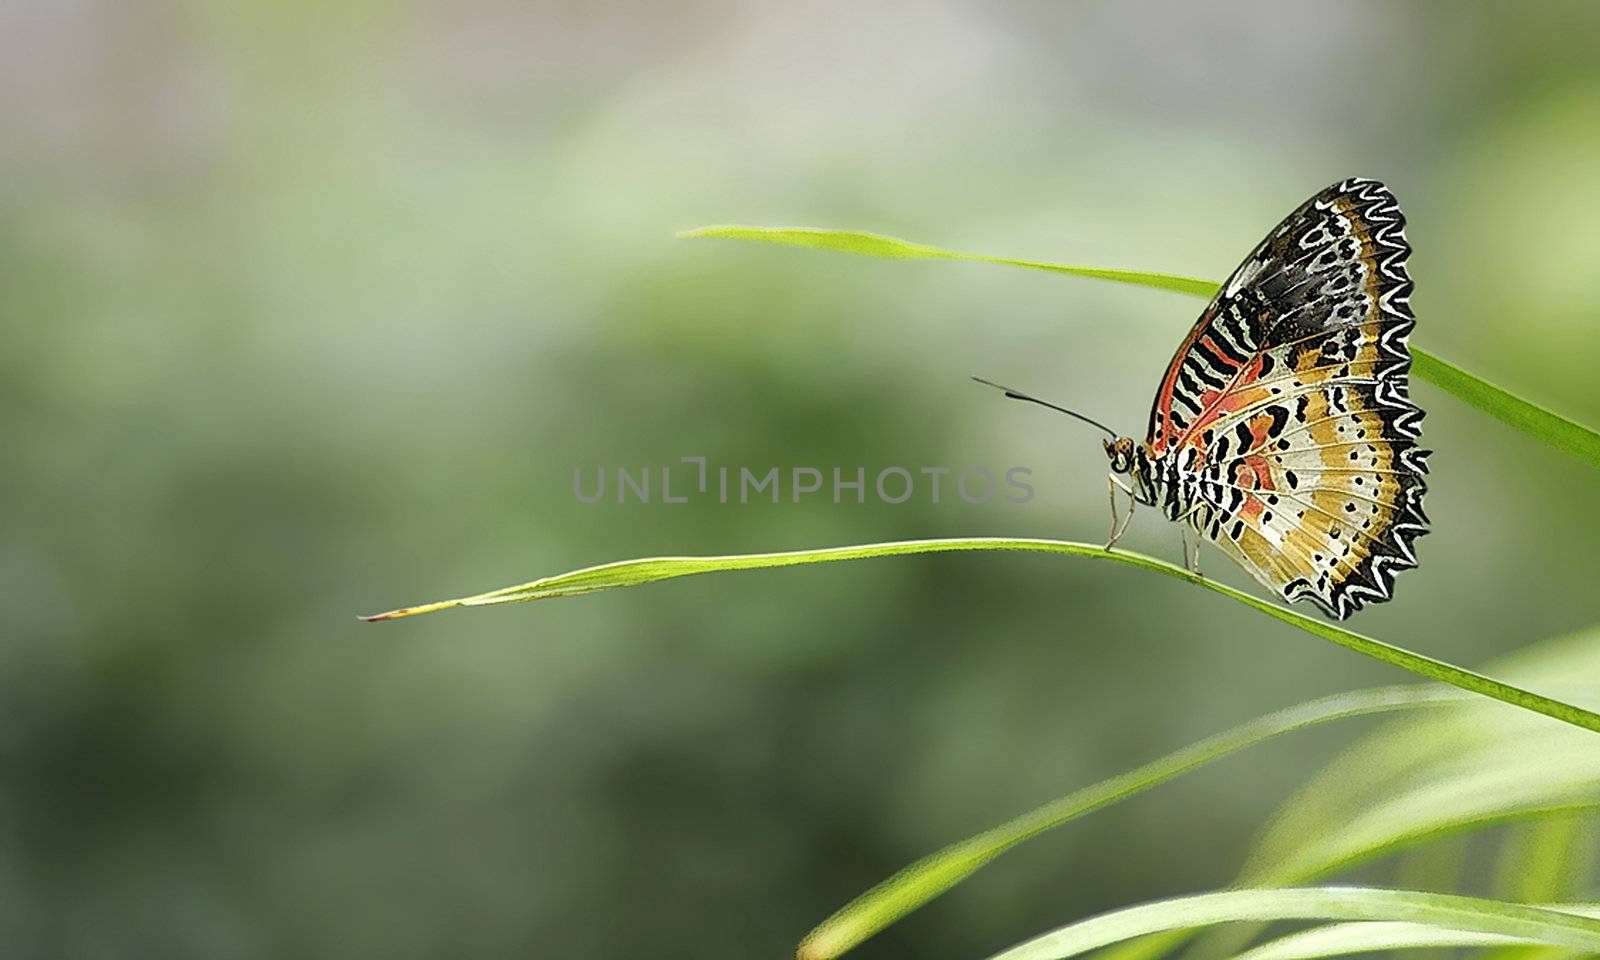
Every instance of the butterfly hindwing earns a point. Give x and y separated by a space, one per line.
1286 413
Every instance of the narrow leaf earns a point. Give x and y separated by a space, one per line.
1371 936
1537 422
629 573
1374 936
878 245
1541 424
1545 860
930 877
1466 914
1444 775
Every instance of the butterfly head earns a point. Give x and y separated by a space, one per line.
1120 453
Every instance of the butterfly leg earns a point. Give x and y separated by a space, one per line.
1111 497
1117 530
1191 561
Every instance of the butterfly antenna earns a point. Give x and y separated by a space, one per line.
1019 395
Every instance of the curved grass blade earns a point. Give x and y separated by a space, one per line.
1427 782
1428 778
629 573
1566 435
893 248
913 887
1544 861
1456 808
1506 791
1226 941
1541 424
933 875
1430 770
1373 936
1448 912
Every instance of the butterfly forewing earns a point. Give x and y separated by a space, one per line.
1285 416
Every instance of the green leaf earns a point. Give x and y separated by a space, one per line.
1541 424
1425 780
1544 860
1459 771
1386 825
878 245
933 875
1373 936
1508 794
630 573
1437 772
1444 911
1537 422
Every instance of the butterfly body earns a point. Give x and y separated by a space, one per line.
1283 430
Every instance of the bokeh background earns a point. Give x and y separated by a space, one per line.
310 310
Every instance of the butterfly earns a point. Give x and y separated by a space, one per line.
1283 429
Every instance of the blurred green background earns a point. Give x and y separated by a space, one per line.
311 309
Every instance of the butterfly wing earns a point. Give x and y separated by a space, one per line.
1286 410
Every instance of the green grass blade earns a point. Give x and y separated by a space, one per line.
878 245
1506 790
1411 775
1543 861
1374 936
629 573
933 875
1541 424
1371 936
1428 782
1537 422
1466 914
1442 775
1447 828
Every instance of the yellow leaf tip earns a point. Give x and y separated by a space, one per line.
407 611
380 617
818 945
